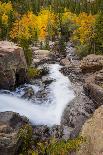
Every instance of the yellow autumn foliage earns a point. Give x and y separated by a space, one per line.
84 32
25 27
4 19
5 8
67 15
30 23
46 22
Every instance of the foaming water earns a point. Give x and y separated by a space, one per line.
50 114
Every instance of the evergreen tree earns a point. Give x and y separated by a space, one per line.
99 33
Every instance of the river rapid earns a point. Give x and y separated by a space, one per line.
60 93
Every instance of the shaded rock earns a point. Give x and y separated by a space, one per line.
10 123
41 133
94 88
13 67
92 63
92 130
45 133
95 92
99 77
75 114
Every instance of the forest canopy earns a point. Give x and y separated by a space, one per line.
30 21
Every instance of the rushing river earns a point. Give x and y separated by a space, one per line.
50 113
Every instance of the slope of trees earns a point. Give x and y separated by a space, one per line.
27 22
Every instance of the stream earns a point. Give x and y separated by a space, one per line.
39 112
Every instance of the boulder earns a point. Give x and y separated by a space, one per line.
10 123
44 69
47 80
40 56
28 93
92 130
92 63
44 133
65 62
95 92
75 114
13 67
94 87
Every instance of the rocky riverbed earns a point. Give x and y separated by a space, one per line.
84 84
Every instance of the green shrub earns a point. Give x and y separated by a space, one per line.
50 147
27 51
62 46
34 72
25 136
83 50
61 147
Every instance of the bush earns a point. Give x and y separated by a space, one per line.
28 56
62 46
27 51
33 72
50 147
83 50
61 147
25 136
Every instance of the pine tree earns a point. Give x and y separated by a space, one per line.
99 33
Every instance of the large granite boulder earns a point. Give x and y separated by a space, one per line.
92 63
13 67
10 123
94 87
93 132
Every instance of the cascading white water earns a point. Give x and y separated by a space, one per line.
43 114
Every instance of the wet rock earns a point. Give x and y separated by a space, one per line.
29 92
92 63
10 123
47 80
44 69
42 94
6 92
13 67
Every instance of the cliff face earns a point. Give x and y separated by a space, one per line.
13 67
93 131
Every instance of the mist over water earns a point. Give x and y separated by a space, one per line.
50 113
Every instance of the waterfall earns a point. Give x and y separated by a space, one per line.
61 94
